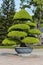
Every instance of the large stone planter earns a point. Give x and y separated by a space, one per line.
23 50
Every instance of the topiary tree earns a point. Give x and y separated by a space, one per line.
22 16
23 34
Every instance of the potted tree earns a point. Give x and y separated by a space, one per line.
23 33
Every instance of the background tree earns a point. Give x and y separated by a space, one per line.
2 28
7 12
38 12
25 4
37 18
38 4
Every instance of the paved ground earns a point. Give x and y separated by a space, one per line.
9 57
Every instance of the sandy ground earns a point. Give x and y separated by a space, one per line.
9 57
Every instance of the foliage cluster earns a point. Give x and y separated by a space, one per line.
17 31
22 15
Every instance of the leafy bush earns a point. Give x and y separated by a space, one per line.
18 34
30 40
22 14
34 31
9 42
31 24
19 26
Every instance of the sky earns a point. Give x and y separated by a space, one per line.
17 2
0 2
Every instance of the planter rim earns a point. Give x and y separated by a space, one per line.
23 47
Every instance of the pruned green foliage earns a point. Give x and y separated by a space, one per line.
19 26
22 14
40 2
30 40
35 31
17 34
22 33
9 42
31 24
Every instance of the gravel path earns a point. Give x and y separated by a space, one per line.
9 57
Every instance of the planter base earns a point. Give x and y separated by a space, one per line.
24 55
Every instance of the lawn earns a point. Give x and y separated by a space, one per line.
38 47
11 47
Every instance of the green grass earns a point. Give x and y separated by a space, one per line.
38 47
9 47
12 47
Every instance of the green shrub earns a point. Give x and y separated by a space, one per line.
22 14
19 26
9 42
34 31
18 34
30 40
21 33
31 24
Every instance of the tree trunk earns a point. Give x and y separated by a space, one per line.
39 23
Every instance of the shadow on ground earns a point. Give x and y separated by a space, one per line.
15 55
7 54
